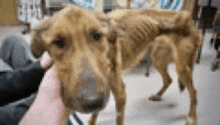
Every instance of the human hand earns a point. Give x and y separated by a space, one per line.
48 106
46 61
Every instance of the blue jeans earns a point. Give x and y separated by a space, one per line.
16 52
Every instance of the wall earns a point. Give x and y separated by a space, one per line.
8 12
99 5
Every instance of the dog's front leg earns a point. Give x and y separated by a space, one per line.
93 119
65 115
118 91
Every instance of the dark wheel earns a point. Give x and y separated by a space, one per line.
214 66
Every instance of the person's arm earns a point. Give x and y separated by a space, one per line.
21 83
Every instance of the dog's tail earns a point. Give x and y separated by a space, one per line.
181 86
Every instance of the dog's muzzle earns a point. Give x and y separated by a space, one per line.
92 98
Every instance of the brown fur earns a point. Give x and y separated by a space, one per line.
73 28
129 34
164 52
177 39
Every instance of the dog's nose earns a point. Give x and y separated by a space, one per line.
91 102
90 97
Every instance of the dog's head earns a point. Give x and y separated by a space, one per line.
77 42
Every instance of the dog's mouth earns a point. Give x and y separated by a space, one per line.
87 104
94 106
87 98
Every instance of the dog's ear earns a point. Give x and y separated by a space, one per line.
36 37
114 40
114 34
37 45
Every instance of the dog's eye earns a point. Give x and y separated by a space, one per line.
96 35
59 43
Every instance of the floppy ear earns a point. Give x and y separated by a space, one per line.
115 54
37 43
112 36
114 32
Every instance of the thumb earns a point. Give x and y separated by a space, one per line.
50 81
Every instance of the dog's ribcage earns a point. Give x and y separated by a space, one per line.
139 32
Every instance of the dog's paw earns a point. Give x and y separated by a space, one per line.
147 74
191 121
155 98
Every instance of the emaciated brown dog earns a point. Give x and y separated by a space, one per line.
176 29
89 59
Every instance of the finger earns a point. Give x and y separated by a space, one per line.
50 87
46 60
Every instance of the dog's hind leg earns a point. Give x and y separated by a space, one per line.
162 69
185 74
93 119
161 57
191 65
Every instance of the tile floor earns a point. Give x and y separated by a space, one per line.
174 107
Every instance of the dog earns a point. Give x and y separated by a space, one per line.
148 25
78 44
164 52
89 57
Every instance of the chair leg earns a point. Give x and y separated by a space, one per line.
200 49
216 63
199 55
